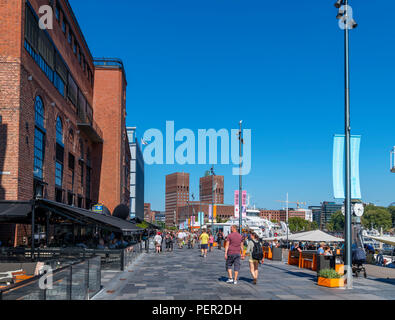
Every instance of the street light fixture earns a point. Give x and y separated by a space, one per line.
339 3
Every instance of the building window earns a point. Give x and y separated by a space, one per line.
59 174
59 153
59 131
64 28
70 37
39 142
57 13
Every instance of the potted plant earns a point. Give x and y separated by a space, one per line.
330 278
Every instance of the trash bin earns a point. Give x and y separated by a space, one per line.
325 262
277 254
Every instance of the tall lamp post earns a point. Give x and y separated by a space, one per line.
241 142
346 23
213 191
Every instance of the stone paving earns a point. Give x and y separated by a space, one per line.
184 275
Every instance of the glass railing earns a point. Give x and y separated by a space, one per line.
77 281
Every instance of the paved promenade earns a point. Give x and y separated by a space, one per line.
184 275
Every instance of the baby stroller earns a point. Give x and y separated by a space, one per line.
358 259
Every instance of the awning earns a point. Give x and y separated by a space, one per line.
387 240
312 236
14 211
108 222
20 212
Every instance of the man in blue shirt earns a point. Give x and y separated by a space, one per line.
321 250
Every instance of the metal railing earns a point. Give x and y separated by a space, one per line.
111 259
77 281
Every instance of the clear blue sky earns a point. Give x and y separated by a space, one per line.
278 65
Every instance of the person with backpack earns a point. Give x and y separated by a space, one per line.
255 251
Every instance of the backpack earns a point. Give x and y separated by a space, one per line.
257 252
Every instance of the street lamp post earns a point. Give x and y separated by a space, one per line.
213 190
240 177
347 22
287 223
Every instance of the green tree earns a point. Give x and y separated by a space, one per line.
297 224
337 222
377 217
392 211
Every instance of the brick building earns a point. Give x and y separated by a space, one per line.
177 195
109 103
224 211
207 192
281 215
50 144
149 215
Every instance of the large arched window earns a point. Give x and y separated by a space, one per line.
59 131
39 135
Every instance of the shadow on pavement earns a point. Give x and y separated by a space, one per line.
245 279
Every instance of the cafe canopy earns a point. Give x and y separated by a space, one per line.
41 211
312 236
387 240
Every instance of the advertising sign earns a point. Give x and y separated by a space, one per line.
236 203
98 208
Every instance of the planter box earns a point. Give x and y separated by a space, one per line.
330 283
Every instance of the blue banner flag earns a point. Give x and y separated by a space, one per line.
339 167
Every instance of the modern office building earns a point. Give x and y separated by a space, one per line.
327 210
177 195
136 176
316 210
160 216
212 187
51 145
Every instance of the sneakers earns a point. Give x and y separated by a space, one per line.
235 282
230 281
254 281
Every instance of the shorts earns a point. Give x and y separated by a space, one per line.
233 260
253 261
204 246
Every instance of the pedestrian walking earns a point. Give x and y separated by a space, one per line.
211 241
158 242
220 237
255 251
234 251
204 238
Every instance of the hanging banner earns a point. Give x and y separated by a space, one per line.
236 203
339 167
244 210
244 198
210 212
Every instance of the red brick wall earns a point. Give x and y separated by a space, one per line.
17 96
109 113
